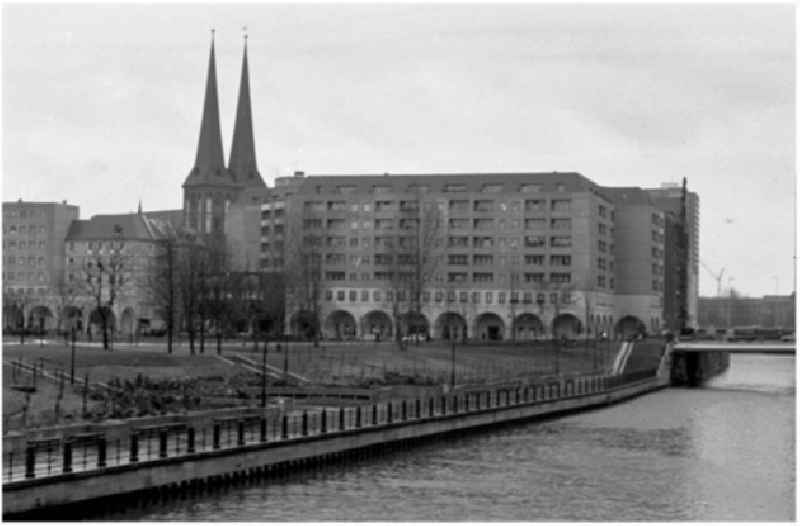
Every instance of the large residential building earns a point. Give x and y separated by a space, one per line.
731 311
33 259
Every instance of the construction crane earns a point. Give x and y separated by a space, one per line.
717 277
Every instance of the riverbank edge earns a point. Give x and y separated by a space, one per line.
44 497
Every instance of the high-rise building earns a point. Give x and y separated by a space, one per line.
33 260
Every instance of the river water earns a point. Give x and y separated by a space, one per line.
722 452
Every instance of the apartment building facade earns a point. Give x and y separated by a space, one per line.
33 260
483 256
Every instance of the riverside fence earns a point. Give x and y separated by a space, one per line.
42 456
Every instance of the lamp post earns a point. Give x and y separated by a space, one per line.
264 378
72 360
452 360
286 358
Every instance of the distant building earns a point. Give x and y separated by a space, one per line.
727 312
133 238
33 260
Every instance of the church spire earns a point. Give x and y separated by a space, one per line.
210 160
242 163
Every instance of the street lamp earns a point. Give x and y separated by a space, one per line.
72 360
452 360
264 378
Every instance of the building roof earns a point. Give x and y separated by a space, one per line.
242 164
125 226
173 217
438 182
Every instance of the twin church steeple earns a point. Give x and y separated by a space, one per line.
211 187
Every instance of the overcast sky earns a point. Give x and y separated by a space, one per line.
102 104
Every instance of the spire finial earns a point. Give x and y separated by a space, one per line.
140 206
244 34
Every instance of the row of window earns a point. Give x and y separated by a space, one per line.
488 188
452 296
41 277
30 261
13 243
24 213
31 230
29 291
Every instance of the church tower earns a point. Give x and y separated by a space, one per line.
209 188
242 164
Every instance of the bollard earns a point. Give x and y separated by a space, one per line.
341 419
101 452
240 433
134 448
358 417
66 463
30 461
215 436
403 411
262 430
418 406
304 428
374 414
323 421
162 443
285 427
388 412
190 440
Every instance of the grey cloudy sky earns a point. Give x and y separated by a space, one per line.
101 104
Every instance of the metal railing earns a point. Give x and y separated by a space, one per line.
50 457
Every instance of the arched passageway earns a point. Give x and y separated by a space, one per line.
566 326
40 319
451 325
340 325
304 324
376 324
489 326
13 319
630 326
73 319
415 325
96 318
528 326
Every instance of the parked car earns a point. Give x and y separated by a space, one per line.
788 338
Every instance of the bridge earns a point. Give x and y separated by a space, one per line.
730 347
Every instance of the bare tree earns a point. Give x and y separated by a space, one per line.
304 275
104 276
190 266
65 294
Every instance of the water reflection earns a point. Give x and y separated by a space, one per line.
725 452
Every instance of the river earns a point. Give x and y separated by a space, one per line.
722 452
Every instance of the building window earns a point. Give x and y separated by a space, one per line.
530 188
601 211
483 242
483 205
560 205
482 259
492 188
335 276
560 261
476 298
457 242
535 241
561 224
560 241
462 296
353 295
560 277
601 245
438 296
534 259
456 277
601 281
534 277
457 259
601 229
458 224
536 224
482 277
501 298
455 188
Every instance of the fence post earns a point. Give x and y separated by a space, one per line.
285 427
403 411
341 419
358 417
305 423
323 421
388 412
134 448
162 443
101 452
215 436
66 462
30 461
240 433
